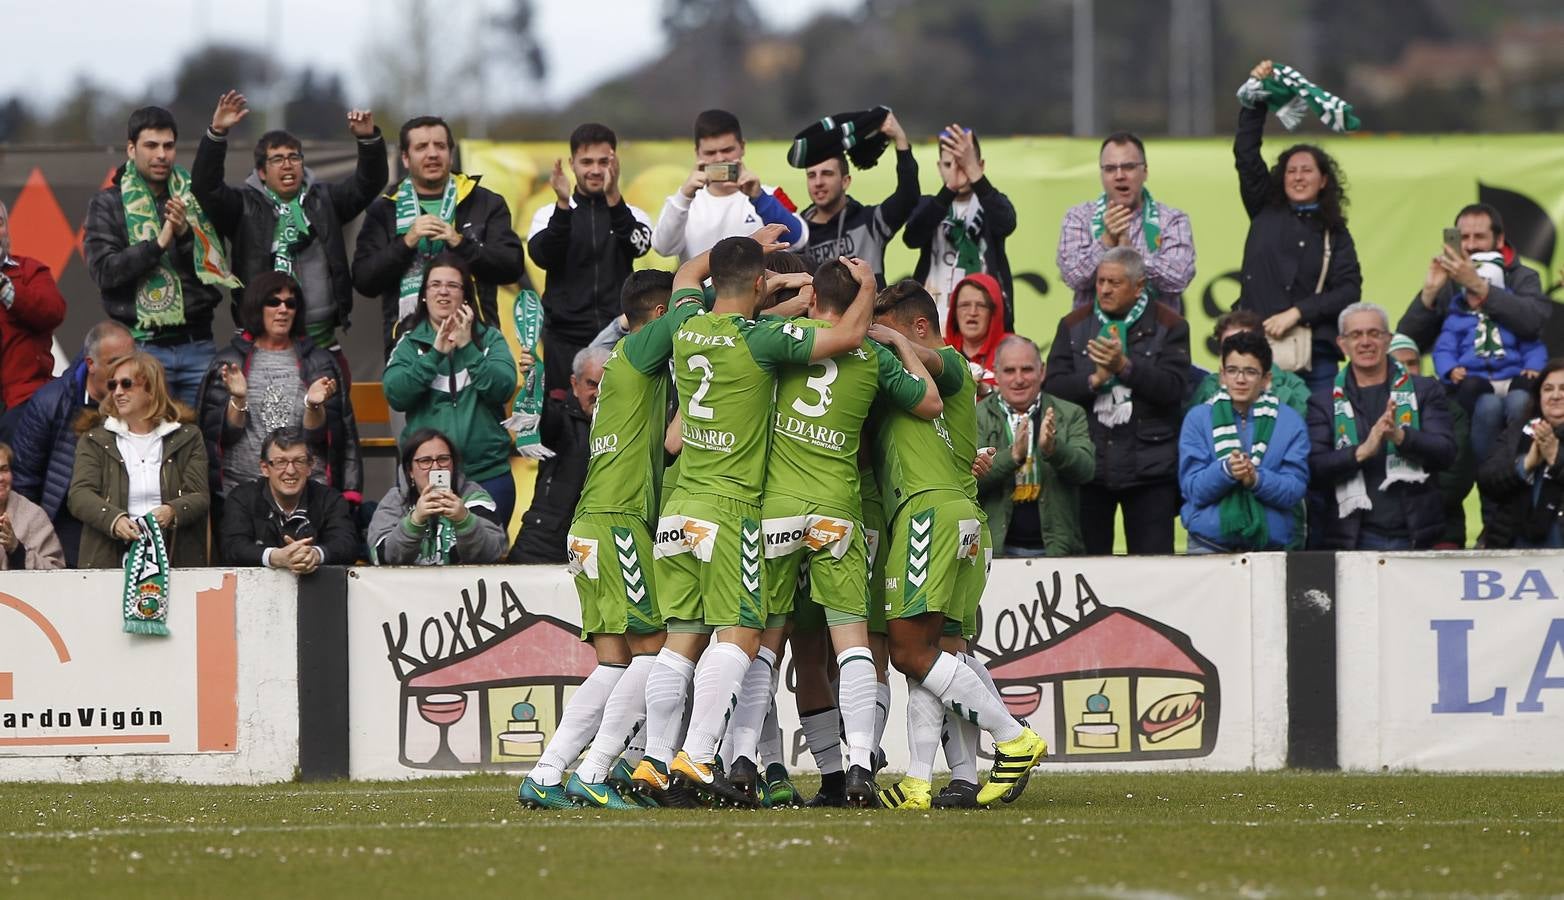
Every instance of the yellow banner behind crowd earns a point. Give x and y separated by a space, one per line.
1403 192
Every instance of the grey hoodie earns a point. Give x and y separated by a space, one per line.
395 541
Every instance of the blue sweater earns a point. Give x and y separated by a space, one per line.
1283 476
1456 346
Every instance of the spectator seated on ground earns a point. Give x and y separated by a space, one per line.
285 519
1243 459
430 516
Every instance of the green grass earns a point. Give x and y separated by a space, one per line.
1081 835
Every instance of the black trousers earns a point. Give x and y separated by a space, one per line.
1149 511
559 355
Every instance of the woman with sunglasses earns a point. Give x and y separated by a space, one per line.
455 374
272 376
138 454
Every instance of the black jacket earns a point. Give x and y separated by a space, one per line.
116 266
1284 249
252 523
587 251
1516 515
1431 445
1522 307
490 247
1143 450
246 217
864 231
566 429
336 441
999 221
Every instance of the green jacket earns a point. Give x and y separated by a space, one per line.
100 488
462 394
1073 463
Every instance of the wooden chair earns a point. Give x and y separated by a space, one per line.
369 406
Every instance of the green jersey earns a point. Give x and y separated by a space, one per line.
820 412
960 396
916 455
724 366
631 416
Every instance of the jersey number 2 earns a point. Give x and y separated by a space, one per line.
821 385
699 410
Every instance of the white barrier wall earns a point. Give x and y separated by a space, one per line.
1451 662
214 702
1171 663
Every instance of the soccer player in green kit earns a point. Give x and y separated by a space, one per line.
811 516
611 552
934 557
708 544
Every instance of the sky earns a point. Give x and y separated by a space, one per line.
131 56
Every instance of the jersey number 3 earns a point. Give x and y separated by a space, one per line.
821 385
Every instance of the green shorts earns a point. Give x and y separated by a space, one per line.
972 581
609 556
814 558
707 552
934 550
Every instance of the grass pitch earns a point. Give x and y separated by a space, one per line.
1136 835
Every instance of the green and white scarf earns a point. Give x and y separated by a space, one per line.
1291 96
146 581
1487 339
160 297
1113 406
1150 219
527 410
291 230
1352 495
439 540
408 209
969 249
1241 512
1029 475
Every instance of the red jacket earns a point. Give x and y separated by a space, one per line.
984 358
27 329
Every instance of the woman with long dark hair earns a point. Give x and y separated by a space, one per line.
1524 473
452 373
1300 267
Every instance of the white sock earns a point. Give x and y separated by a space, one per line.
717 683
667 686
970 732
771 730
637 749
754 702
577 725
882 711
858 701
960 689
622 715
953 740
925 715
820 729
976 665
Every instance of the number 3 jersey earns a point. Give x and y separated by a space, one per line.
630 419
723 366
819 420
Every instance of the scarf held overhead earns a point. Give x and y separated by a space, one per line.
1291 96
159 293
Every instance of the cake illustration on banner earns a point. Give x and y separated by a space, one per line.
1111 684
497 704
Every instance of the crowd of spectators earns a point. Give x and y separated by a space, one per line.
1317 428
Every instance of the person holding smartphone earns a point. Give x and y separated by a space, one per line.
433 515
722 198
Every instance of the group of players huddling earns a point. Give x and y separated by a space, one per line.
824 494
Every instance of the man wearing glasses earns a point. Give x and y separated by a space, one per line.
1378 435
285 519
1243 457
282 219
1125 215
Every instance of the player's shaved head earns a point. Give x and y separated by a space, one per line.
643 292
835 287
736 263
905 302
